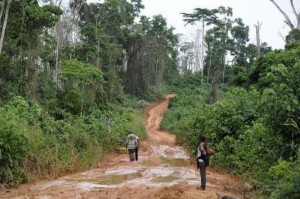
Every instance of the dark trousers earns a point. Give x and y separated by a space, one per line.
132 155
202 174
136 153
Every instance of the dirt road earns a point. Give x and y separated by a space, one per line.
163 170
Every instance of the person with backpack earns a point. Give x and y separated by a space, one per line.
131 144
203 153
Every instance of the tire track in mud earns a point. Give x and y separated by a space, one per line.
164 170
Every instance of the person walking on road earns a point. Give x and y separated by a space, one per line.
132 145
137 148
202 160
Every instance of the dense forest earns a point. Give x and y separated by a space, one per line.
71 76
75 78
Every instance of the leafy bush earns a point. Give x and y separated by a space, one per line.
35 145
13 139
283 180
281 103
234 125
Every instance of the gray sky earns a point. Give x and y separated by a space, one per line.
251 11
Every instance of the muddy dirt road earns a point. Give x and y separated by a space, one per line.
164 170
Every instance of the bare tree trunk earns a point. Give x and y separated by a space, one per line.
98 44
296 14
224 67
287 18
202 52
211 51
197 51
56 31
57 52
1 12
225 53
258 46
32 68
4 25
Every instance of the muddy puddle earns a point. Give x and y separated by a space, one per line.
173 166
175 162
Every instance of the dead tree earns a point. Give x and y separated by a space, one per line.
258 43
288 20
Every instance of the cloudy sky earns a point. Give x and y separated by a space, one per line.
251 11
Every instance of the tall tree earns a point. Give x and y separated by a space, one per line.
206 17
219 22
27 22
150 51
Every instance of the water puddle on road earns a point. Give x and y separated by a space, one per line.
111 177
166 179
175 162
118 179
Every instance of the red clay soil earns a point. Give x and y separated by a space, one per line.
163 171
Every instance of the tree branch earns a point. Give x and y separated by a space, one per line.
287 19
292 4
281 36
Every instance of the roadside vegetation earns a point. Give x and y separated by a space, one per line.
253 127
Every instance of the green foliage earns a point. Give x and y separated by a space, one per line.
83 84
263 64
283 180
239 76
46 91
293 36
39 17
250 128
13 144
183 112
11 79
188 79
234 126
252 152
151 53
82 73
35 145
69 69
281 103
111 127
157 93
